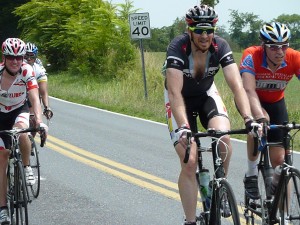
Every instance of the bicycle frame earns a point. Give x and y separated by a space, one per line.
267 210
220 185
17 192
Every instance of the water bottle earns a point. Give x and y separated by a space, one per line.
205 190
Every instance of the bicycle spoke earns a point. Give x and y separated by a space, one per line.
35 165
226 211
289 206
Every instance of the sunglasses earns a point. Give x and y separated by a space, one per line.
11 57
29 57
275 47
201 30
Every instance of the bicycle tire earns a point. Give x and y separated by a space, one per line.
10 194
35 165
20 195
288 210
221 193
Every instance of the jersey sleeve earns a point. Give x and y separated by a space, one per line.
28 77
224 52
175 54
40 73
247 62
296 63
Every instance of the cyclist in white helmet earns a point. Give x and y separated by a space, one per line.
41 76
17 84
193 59
266 71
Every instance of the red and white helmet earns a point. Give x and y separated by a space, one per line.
13 47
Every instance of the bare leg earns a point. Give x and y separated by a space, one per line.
3 179
187 182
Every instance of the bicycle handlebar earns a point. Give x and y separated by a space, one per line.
16 131
209 133
288 126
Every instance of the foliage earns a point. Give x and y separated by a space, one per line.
293 22
127 95
8 21
244 28
210 2
86 36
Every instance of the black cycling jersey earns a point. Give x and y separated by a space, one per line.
179 57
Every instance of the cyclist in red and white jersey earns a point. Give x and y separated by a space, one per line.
17 83
266 71
193 59
41 76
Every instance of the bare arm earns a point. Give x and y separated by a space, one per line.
174 85
234 82
43 90
250 87
33 95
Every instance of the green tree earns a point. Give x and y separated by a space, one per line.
211 3
244 28
293 22
9 21
88 36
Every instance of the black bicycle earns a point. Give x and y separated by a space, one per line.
223 207
17 192
34 160
282 206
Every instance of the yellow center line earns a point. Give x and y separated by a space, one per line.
116 173
112 163
107 166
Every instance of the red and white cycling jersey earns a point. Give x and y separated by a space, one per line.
16 95
270 86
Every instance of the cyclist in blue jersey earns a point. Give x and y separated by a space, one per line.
193 59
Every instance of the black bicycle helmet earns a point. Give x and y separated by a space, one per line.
202 15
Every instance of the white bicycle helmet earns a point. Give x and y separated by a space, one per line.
31 48
275 32
13 47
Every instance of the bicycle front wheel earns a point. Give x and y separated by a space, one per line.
35 165
288 211
224 208
20 195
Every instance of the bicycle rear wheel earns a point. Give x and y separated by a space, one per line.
288 211
224 208
35 165
20 195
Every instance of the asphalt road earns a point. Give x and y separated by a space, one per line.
104 168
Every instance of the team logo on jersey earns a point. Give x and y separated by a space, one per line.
248 62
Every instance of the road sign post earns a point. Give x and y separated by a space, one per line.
139 30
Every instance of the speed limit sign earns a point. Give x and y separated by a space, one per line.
139 25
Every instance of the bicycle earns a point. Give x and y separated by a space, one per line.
17 192
220 187
34 160
283 206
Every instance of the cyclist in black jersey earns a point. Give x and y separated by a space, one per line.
193 59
